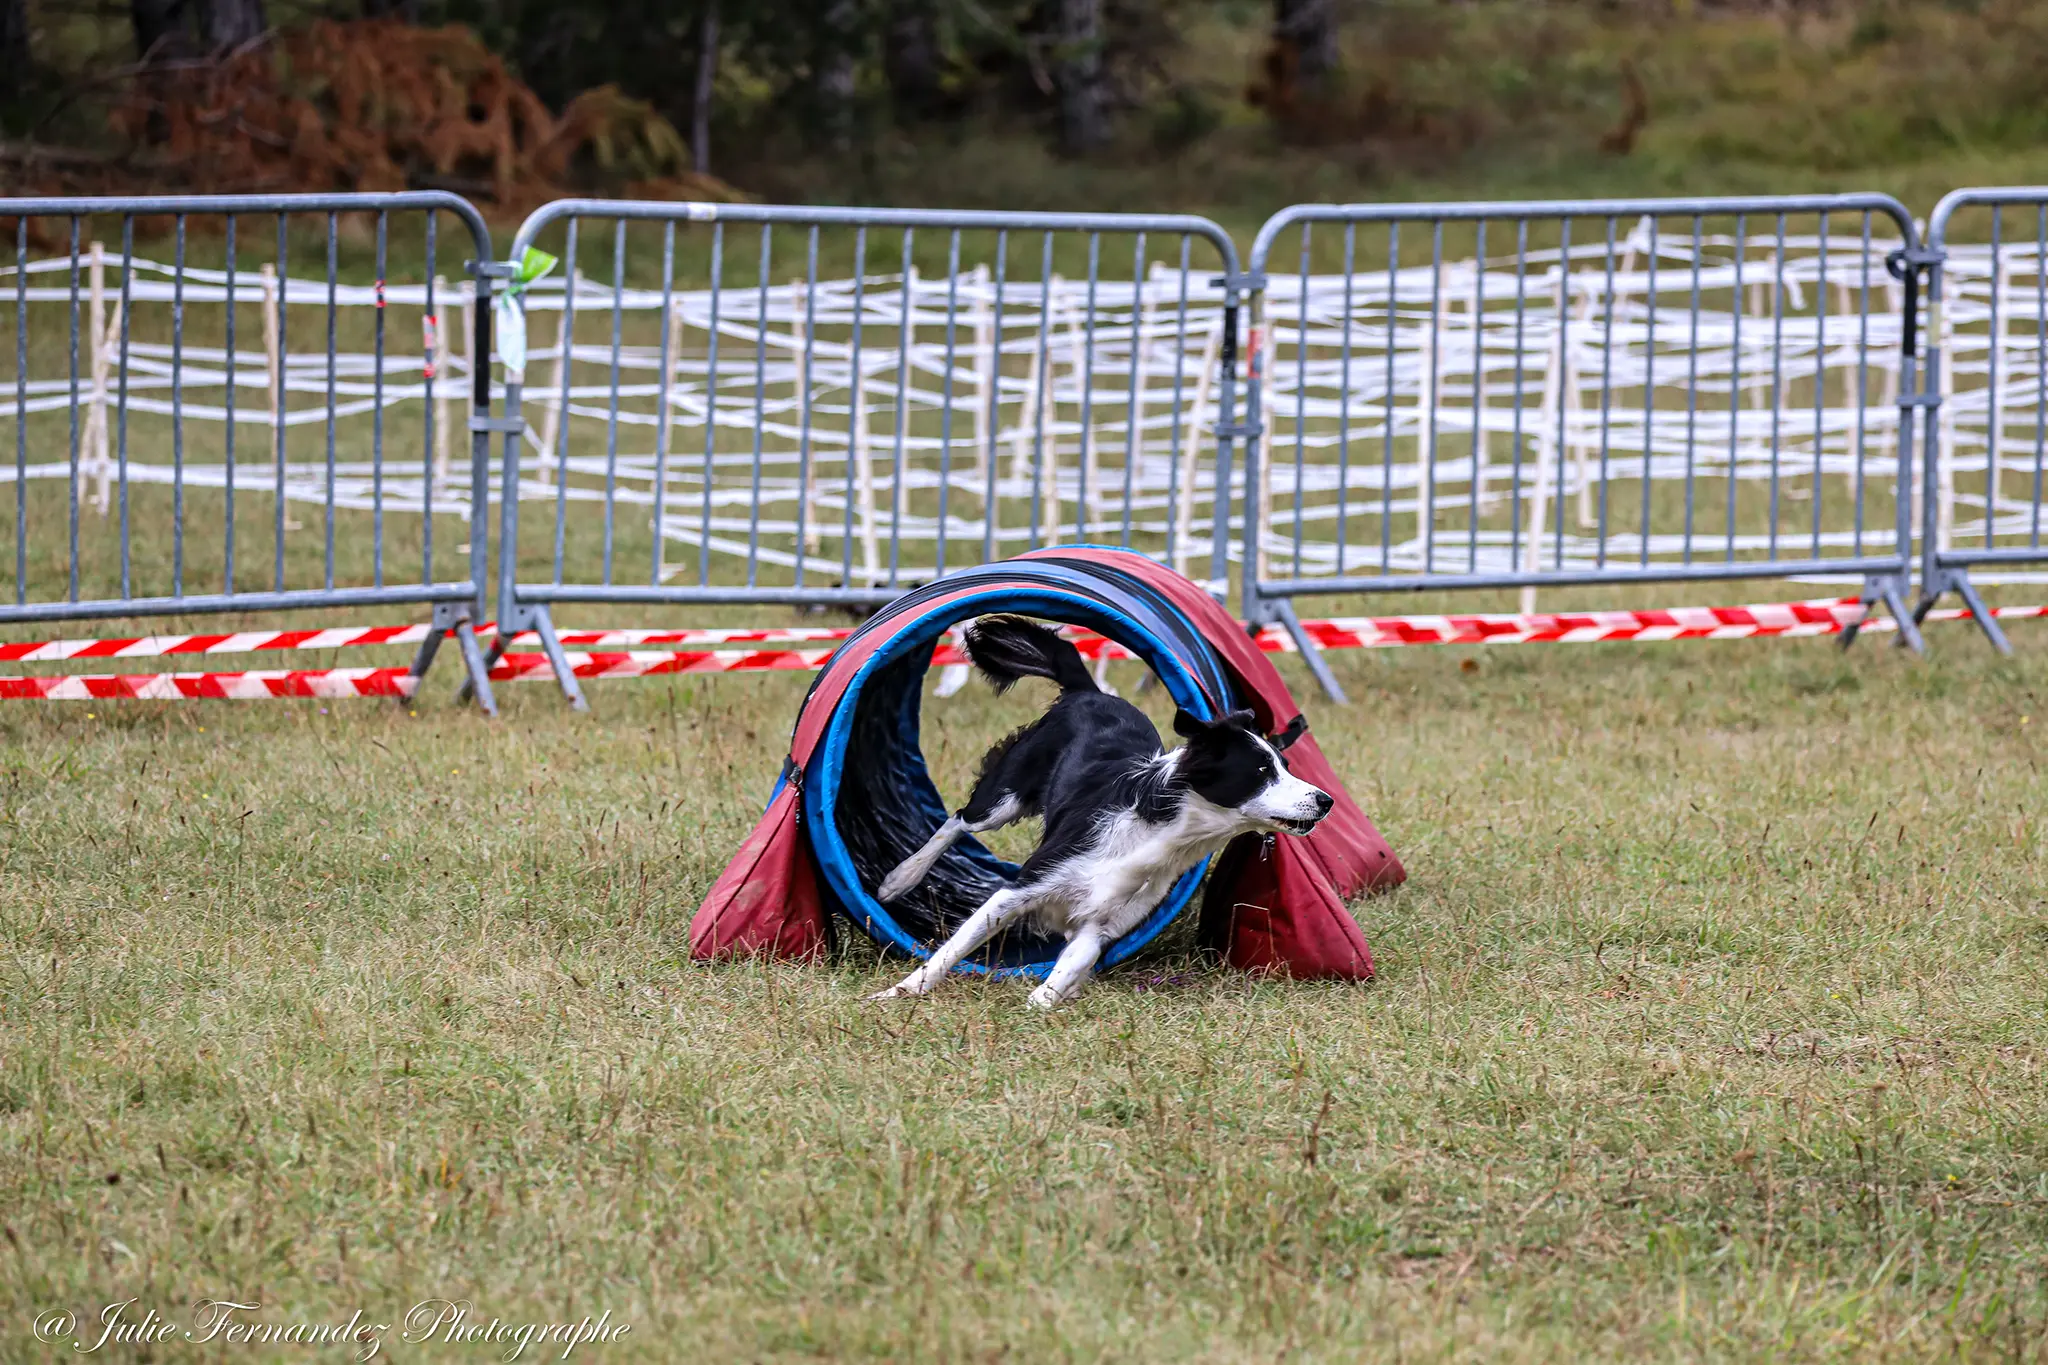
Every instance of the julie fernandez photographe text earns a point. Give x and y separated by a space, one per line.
234 1322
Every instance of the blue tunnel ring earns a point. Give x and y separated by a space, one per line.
868 755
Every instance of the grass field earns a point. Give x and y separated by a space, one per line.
1710 1025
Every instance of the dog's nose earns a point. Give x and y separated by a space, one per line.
1324 804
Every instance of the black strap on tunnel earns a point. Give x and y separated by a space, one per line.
1174 627
1191 644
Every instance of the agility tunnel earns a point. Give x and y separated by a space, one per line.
854 797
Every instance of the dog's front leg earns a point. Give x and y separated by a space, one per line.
995 912
1076 964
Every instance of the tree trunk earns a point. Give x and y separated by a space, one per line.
13 43
700 104
1077 76
1306 32
159 29
910 58
228 24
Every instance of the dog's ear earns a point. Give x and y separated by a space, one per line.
1186 726
1241 719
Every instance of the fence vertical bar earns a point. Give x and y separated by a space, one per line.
1344 402
1777 376
1473 485
1515 454
711 401
611 425
1862 379
1650 308
1301 382
178 409
377 415
906 322
993 416
277 414
127 332
804 457
760 396
1735 380
664 402
2040 361
74 472
565 366
856 407
1994 425
1692 393
1387 413
1606 394
1133 444
946 398
333 248
429 407
21 409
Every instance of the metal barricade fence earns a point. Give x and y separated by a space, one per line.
167 441
828 406
824 406
1986 422
1509 395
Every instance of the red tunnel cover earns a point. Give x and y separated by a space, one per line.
1275 907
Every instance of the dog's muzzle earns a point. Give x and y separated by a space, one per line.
1324 804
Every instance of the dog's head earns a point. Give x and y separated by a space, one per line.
1228 763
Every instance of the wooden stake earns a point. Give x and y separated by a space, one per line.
864 474
273 359
1555 382
1083 379
443 352
551 424
1482 442
801 339
986 373
98 460
1945 445
664 445
988 397
1263 499
1425 442
1031 412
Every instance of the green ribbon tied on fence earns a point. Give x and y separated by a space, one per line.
510 307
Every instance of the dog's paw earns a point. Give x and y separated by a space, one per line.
898 883
1044 998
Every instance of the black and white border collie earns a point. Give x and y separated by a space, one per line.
1123 820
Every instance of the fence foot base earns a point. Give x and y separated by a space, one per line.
1311 653
1890 593
486 661
543 625
1958 582
423 658
449 616
479 682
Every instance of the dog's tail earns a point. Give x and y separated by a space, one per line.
1006 648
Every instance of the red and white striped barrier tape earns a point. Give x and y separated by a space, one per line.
254 685
588 657
260 641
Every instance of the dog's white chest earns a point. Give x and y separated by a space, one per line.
1127 871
